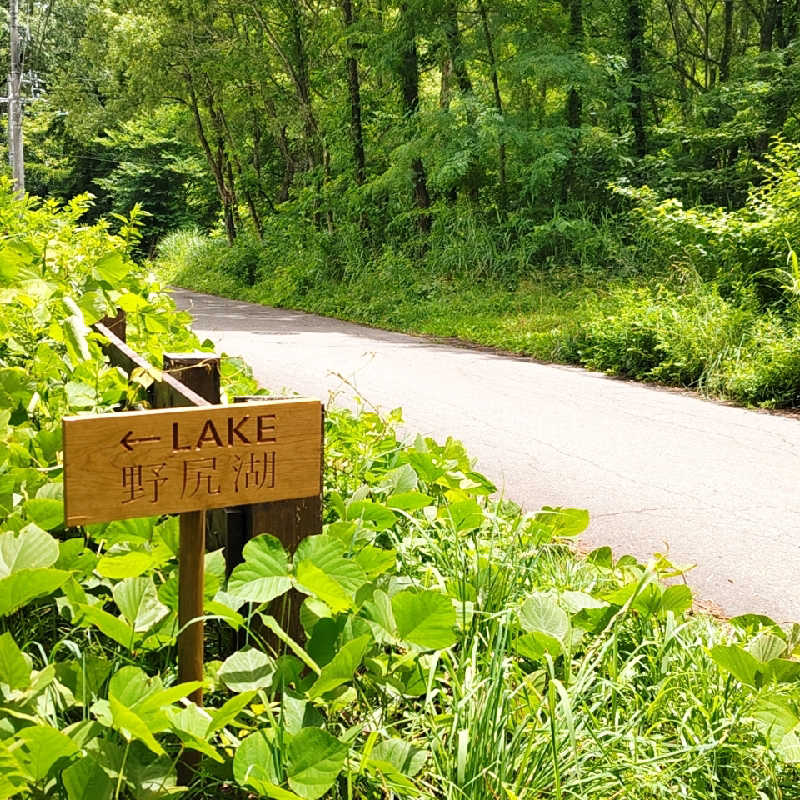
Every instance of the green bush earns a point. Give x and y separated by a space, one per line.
766 371
662 335
727 246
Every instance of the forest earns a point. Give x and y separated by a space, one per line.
615 185
610 184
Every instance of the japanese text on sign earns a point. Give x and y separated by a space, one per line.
156 462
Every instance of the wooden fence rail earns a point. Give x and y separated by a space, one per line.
193 379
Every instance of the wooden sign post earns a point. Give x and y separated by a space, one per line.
146 463
188 460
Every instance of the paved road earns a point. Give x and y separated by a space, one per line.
659 471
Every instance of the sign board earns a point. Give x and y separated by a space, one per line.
146 463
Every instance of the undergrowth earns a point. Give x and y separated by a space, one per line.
675 329
452 647
703 297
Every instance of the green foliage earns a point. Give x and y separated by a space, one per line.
453 645
153 168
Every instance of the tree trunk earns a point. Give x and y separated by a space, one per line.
574 101
791 20
454 49
216 162
354 89
498 100
727 42
635 35
409 79
780 28
768 22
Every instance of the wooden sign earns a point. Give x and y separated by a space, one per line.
146 463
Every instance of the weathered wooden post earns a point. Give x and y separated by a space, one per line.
199 372
258 464
290 521
185 461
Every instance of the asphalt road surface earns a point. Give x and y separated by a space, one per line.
659 471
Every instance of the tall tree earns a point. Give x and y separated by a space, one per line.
574 100
498 99
634 31
354 90
409 86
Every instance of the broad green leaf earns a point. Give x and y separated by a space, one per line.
111 268
43 747
15 670
464 515
322 644
126 531
223 611
113 627
138 601
319 583
190 723
788 749
322 570
75 333
408 501
12 778
18 589
264 575
13 256
341 668
375 560
379 611
131 685
402 755
648 600
676 599
535 645
16 388
81 395
131 303
540 614
94 306
229 710
253 762
782 670
163 697
247 670
47 513
751 623
190 719
150 778
87 780
127 565
775 716
766 646
575 602
565 522
425 618
131 726
378 515
738 662
73 555
400 479
297 713
315 759
84 678
31 548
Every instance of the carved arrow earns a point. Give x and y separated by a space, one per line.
127 442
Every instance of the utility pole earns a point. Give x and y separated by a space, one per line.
15 151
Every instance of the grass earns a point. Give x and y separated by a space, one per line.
672 327
454 648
